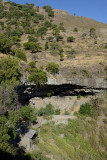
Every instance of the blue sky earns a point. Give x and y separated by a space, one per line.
95 9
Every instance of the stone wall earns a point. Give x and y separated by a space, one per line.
65 103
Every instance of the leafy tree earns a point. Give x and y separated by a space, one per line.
5 44
4 136
88 110
9 69
93 33
13 122
33 46
8 97
70 39
28 113
21 54
52 68
38 77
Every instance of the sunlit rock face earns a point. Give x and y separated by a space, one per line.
88 82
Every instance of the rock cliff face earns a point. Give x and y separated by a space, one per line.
88 82
90 77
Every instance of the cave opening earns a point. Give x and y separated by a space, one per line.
26 92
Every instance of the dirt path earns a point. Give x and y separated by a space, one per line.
57 119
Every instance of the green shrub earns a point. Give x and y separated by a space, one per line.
47 111
79 97
48 9
50 39
38 76
16 32
93 33
59 38
28 113
105 46
56 31
52 68
74 72
33 46
61 56
70 39
32 64
41 31
5 43
55 48
9 69
66 113
29 30
84 35
21 55
57 112
86 72
71 53
75 30
47 24
46 46
95 42
31 38
51 13
61 27
88 110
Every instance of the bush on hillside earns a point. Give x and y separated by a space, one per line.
47 111
88 110
33 46
75 30
93 33
5 43
38 76
49 10
9 69
21 55
52 68
32 64
28 113
70 39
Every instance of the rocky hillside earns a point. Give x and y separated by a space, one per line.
52 64
76 44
